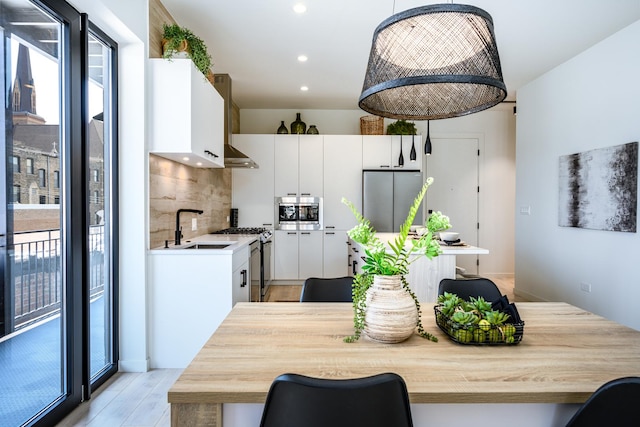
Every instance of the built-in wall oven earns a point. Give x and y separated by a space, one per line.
260 261
298 213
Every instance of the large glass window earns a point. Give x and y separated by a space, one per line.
58 290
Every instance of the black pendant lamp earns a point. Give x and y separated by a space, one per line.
427 142
413 155
433 62
401 158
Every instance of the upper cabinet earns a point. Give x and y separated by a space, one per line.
342 178
298 165
383 152
187 115
252 189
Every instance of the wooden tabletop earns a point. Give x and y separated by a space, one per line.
566 354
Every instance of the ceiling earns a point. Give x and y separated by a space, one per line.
257 42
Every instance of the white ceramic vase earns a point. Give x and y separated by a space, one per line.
391 315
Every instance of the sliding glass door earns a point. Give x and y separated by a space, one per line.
57 204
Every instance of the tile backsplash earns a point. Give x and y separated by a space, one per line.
176 186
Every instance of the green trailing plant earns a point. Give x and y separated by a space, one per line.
401 127
173 37
379 261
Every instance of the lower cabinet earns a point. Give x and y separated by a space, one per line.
240 284
335 259
297 254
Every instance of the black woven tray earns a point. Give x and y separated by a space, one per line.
473 334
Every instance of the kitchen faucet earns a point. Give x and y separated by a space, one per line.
178 228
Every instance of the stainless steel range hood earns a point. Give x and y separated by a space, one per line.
233 158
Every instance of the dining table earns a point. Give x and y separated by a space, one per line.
565 354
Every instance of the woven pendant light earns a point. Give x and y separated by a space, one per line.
433 62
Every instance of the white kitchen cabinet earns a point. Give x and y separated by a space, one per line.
190 294
253 189
342 178
240 284
335 254
310 165
187 115
297 254
285 248
298 165
286 165
310 257
383 152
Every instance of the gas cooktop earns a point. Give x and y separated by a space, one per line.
242 230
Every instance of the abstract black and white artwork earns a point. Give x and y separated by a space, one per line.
599 189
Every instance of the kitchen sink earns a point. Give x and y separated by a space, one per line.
208 246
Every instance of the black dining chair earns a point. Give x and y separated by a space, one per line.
317 289
613 404
466 288
377 401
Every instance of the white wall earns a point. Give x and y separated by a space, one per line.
495 128
588 102
126 23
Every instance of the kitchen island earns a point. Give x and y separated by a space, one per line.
565 355
425 274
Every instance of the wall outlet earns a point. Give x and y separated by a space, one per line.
585 287
194 224
525 210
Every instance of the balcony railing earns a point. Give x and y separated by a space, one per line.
36 270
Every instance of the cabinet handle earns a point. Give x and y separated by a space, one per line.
266 225
292 233
355 270
385 166
305 194
329 232
305 232
244 278
210 153
331 226
292 194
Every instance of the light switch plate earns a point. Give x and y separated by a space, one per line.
194 224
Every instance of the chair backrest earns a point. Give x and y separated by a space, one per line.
336 289
466 288
613 404
377 401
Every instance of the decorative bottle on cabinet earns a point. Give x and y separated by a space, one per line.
313 130
298 126
282 129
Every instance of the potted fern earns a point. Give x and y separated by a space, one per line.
385 307
179 39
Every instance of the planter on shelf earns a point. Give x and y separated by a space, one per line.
177 41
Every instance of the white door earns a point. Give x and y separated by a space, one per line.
454 168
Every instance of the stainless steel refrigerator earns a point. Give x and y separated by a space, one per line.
387 197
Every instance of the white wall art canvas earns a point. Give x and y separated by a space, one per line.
599 189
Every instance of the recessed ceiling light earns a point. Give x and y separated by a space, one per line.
304 88
299 8
302 58
199 164
186 159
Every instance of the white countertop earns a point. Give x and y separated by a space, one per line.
238 241
446 250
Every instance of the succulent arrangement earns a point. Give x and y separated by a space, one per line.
474 321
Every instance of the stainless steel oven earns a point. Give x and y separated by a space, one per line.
260 261
299 213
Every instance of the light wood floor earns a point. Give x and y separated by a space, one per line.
140 399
